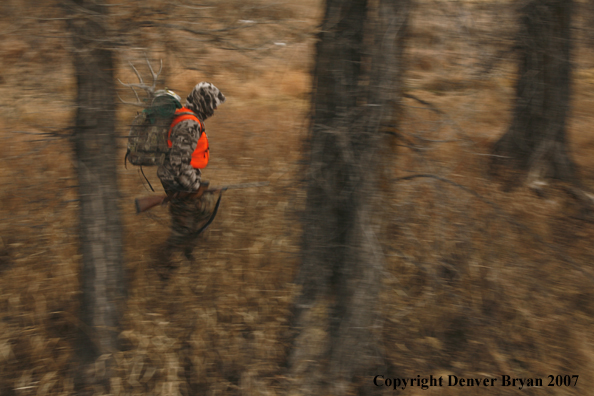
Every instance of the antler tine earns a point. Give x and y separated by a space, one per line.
149 89
141 86
139 104
131 86
155 76
137 73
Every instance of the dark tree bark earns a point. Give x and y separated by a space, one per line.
536 141
102 277
356 88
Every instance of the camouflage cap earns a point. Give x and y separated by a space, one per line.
204 99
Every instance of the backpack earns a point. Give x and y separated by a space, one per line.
147 140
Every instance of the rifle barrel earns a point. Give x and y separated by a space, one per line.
145 203
241 185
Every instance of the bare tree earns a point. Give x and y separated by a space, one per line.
102 275
536 141
95 33
356 89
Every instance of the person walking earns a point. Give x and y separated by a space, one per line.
190 205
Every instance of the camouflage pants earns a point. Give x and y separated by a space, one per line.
188 216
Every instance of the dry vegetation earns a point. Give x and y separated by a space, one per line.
479 282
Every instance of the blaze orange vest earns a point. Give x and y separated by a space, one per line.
201 153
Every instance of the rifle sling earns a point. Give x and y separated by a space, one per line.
214 213
147 180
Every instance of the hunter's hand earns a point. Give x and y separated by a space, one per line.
202 189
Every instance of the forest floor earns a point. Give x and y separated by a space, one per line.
479 281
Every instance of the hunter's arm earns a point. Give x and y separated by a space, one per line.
184 138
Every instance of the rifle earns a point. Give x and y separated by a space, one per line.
145 203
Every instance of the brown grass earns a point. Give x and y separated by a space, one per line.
479 282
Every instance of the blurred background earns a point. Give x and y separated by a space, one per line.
482 274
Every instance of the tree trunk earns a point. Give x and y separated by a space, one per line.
102 276
357 87
536 140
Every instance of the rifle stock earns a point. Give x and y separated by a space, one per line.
146 203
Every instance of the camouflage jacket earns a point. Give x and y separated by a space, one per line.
176 173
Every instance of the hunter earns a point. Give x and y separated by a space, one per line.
180 173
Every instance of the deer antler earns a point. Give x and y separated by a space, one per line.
149 89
